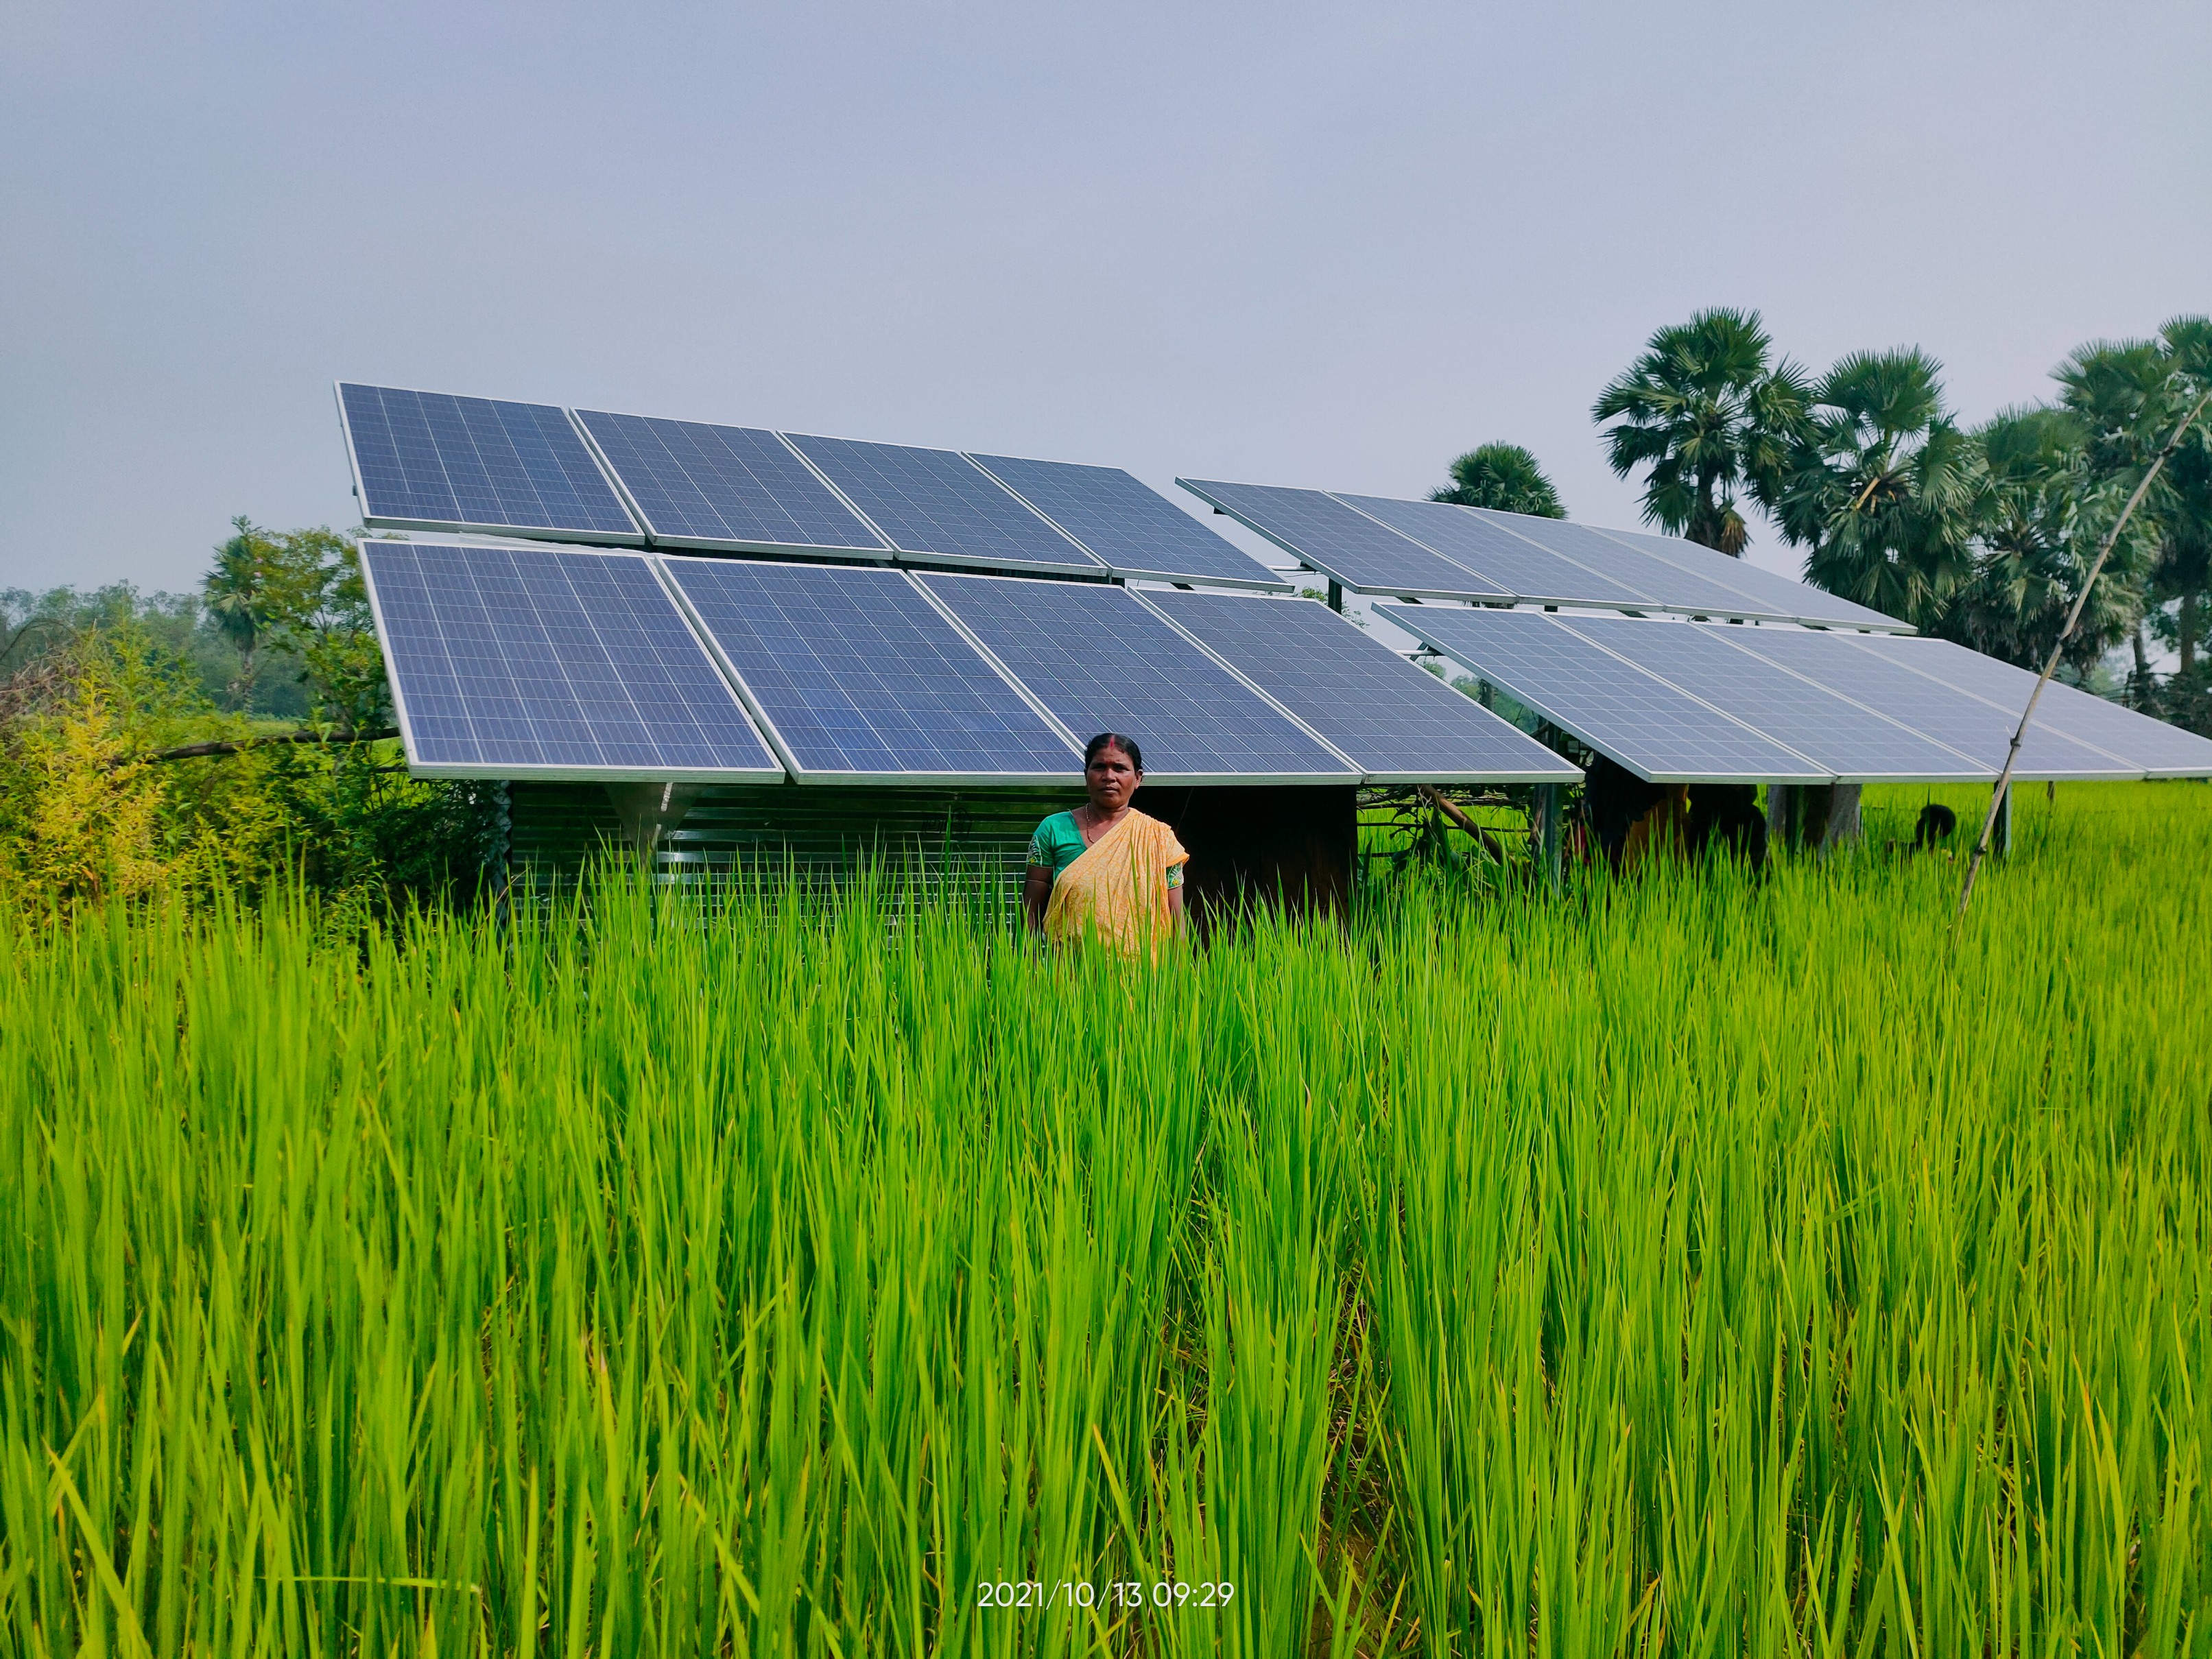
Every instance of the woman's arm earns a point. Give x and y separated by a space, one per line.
1036 893
1174 910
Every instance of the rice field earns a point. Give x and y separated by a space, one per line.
1675 1267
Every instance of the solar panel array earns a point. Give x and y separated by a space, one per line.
1654 727
2152 746
725 487
1436 550
426 460
855 673
1671 699
1134 531
525 662
938 504
1848 739
1981 731
1344 545
1099 660
1400 723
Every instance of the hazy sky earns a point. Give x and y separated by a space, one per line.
1309 245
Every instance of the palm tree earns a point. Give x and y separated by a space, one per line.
1882 485
1709 412
1503 477
2037 527
2127 395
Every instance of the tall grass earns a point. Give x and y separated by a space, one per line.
1678 1266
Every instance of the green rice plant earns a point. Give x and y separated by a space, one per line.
1683 1265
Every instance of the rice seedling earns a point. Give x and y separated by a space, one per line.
1683 1266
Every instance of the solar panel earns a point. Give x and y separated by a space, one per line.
1498 558
1852 740
2150 745
1346 546
1135 532
1976 729
1655 729
423 461
856 674
1670 587
734 487
528 662
1777 594
1100 661
1400 723
938 505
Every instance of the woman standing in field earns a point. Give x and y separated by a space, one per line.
1106 869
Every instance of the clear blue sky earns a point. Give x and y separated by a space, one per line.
1328 246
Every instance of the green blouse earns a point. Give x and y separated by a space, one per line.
1058 843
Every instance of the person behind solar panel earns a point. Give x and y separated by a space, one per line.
1105 870
1937 824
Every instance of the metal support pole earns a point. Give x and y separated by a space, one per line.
2000 838
1335 595
1547 828
1780 813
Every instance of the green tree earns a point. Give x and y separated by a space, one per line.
1882 486
2128 396
1709 412
1504 477
2039 519
301 592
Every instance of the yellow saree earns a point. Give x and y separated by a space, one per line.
1117 891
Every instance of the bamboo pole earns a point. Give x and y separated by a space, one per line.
1997 796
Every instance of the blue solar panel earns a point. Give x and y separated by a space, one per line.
1132 529
1670 587
1967 724
1400 723
723 486
2151 745
425 460
1101 661
1499 560
858 673
1348 547
1776 594
514 662
936 504
1852 740
1655 729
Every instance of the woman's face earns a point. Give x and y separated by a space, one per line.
1110 779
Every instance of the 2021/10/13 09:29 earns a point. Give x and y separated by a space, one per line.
1163 1595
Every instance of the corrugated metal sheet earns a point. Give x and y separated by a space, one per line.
821 834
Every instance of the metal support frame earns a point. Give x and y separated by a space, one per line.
1545 832
1336 596
2001 837
1781 816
